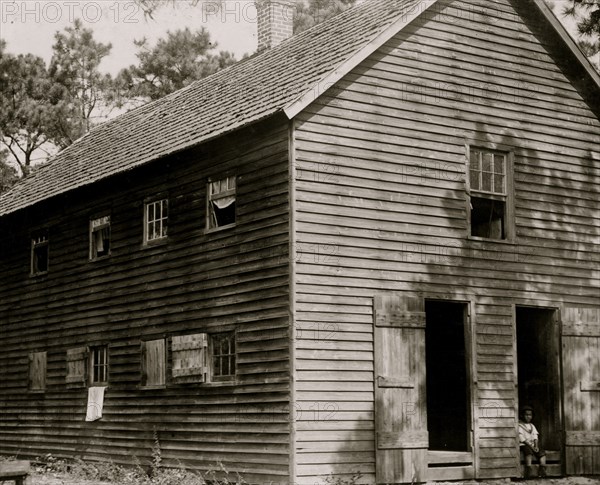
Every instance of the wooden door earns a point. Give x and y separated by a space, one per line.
400 400
581 384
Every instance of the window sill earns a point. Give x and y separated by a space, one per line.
231 382
38 275
155 242
36 391
152 388
489 240
222 228
100 258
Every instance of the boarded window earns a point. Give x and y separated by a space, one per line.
221 203
153 363
99 365
39 253
37 371
155 220
189 357
223 356
76 367
100 237
488 185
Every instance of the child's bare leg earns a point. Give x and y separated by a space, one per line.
543 460
528 460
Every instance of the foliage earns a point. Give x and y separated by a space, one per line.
334 480
587 13
8 175
30 105
74 66
173 63
316 11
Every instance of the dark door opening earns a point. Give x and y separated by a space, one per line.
448 413
538 371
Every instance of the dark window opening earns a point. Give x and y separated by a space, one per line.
538 373
39 254
448 399
223 356
223 216
100 237
221 203
99 365
488 218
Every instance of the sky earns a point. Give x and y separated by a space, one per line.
29 26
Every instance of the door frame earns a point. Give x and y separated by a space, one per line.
557 321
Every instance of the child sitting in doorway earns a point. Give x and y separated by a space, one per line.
529 443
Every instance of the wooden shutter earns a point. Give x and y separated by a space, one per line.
400 400
581 381
153 363
37 371
76 367
189 357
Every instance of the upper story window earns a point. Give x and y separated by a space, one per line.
98 361
222 347
99 237
39 253
156 215
490 210
221 203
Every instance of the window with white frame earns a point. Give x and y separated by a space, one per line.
221 203
98 361
489 193
99 237
39 253
222 348
156 215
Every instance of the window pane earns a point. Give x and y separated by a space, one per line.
487 162
499 163
474 180
499 184
486 181
475 160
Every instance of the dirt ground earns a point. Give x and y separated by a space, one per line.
53 479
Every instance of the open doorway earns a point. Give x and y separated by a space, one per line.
538 371
448 391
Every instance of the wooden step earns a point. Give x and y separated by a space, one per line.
552 470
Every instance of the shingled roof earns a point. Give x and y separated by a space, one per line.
284 79
243 93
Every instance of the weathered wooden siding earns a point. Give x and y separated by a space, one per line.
196 282
380 183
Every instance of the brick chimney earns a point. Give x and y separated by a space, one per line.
275 20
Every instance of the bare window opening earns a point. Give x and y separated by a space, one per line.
39 254
221 203
538 371
99 365
488 181
448 397
100 237
488 218
156 216
223 356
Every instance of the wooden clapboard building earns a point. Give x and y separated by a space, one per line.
358 251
